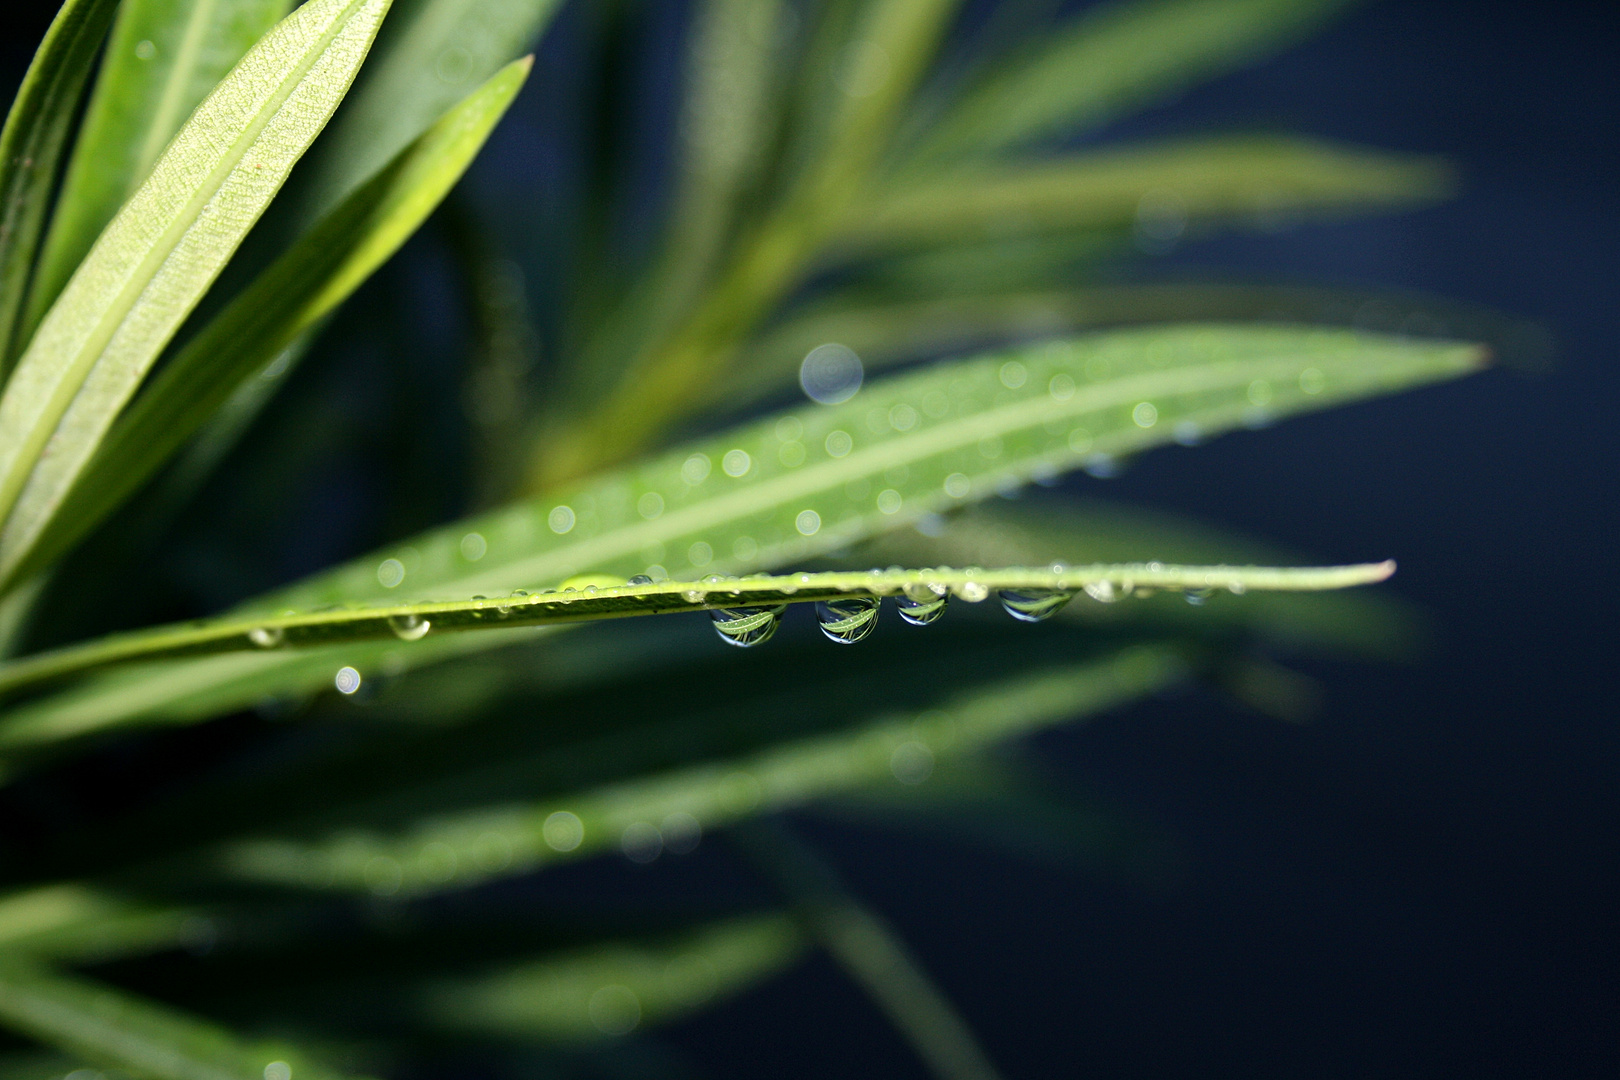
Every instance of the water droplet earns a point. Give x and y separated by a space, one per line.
1033 605
347 680
409 627
747 626
1237 588
848 620
972 592
831 374
921 605
640 579
1102 591
266 637
1196 597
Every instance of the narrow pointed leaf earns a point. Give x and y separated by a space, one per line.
562 998
121 1031
432 55
1118 57
454 850
162 59
414 621
799 485
163 250
286 301
32 144
1153 187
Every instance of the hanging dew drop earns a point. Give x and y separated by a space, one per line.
266 637
1196 597
849 620
920 605
641 579
409 627
1102 591
1034 605
747 626
972 592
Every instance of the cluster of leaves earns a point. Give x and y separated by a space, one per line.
895 178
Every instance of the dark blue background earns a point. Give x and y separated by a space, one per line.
1424 881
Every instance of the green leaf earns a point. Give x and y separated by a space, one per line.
457 849
162 59
1118 57
1077 531
613 988
163 250
271 314
124 1032
31 147
80 925
433 54
1152 187
795 490
608 598
885 331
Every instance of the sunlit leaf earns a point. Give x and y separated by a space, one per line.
159 255
289 298
162 59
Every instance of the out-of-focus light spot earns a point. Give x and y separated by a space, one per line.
390 572
791 454
695 469
1013 374
145 50
278 1070
911 762
1188 433
831 374
561 519
903 417
1145 414
745 548
615 1010
1061 387
562 831
1312 381
383 875
736 463
1079 440
808 522
789 428
641 842
739 792
1161 218
700 554
650 505
1260 392
347 680
888 501
931 525
474 546
957 485
839 443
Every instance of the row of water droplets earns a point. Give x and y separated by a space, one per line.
850 619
